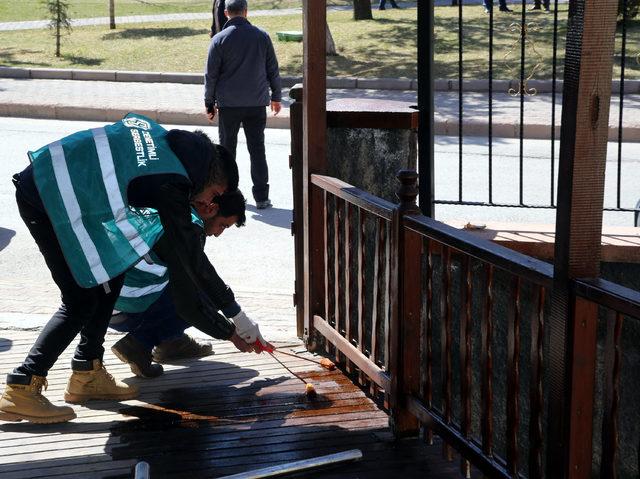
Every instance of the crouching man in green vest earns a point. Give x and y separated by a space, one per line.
145 310
85 200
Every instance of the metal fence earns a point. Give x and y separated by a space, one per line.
523 66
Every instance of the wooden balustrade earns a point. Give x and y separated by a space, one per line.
452 328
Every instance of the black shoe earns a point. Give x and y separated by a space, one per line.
129 350
262 205
487 10
184 347
396 6
506 9
535 7
382 8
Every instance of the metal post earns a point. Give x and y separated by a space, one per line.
425 106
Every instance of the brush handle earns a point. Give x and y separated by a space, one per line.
299 357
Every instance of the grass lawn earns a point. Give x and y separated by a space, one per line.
383 47
20 10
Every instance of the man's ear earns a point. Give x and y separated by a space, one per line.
212 209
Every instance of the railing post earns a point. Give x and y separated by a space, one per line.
583 146
314 138
295 164
404 331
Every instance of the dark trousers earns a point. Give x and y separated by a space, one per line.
383 4
158 323
489 3
253 120
219 19
84 310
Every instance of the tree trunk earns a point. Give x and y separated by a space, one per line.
112 15
331 45
58 20
362 10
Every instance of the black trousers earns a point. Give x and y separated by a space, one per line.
84 310
254 121
219 19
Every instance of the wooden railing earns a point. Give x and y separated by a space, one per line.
614 401
452 328
357 276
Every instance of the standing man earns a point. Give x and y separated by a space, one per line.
241 69
219 19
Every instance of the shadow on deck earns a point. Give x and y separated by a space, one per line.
222 415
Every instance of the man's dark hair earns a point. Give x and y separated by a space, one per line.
206 163
231 204
235 6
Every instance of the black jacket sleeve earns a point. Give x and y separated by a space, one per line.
190 271
189 302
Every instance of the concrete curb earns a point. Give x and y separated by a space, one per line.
405 84
81 113
443 126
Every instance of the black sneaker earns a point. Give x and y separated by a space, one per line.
506 9
129 350
262 205
184 347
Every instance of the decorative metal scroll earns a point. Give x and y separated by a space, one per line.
523 31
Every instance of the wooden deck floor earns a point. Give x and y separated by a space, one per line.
221 415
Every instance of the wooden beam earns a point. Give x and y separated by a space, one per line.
314 121
356 357
295 164
583 145
405 328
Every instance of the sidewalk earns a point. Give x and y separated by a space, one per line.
178 103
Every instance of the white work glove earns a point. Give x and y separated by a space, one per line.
247 328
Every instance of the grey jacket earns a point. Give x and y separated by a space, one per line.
241 67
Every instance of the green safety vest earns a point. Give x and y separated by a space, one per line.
145 282
83 179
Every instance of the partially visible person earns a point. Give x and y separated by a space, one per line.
219 19
383 4
241 79
145 309
488 6
541 5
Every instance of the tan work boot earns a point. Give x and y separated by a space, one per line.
26 402
95 383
